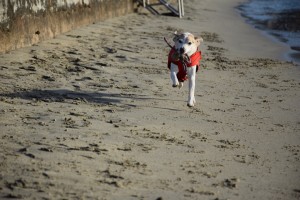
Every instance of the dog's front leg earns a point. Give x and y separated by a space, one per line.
173 74
191 71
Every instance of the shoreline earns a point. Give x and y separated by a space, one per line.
279 26
242 39
91 114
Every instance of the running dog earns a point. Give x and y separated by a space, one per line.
184 61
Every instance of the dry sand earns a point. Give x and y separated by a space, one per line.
91 114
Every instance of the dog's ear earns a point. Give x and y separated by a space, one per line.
198 40
176 36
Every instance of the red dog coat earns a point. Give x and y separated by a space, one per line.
194 60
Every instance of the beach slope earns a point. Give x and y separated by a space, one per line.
91 114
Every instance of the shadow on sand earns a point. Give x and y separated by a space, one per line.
62 95
65 95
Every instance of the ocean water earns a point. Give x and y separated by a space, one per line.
279 18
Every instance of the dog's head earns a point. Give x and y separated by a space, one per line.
186 43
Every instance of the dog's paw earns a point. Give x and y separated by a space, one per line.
191 103
180 85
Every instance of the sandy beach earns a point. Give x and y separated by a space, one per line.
91 114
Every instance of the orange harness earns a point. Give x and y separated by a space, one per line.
184 63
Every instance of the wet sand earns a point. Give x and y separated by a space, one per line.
92 114
277 19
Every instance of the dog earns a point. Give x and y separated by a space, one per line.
184 61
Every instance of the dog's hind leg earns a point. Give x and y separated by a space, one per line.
191 71
173 74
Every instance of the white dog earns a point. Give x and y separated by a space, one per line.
183 62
